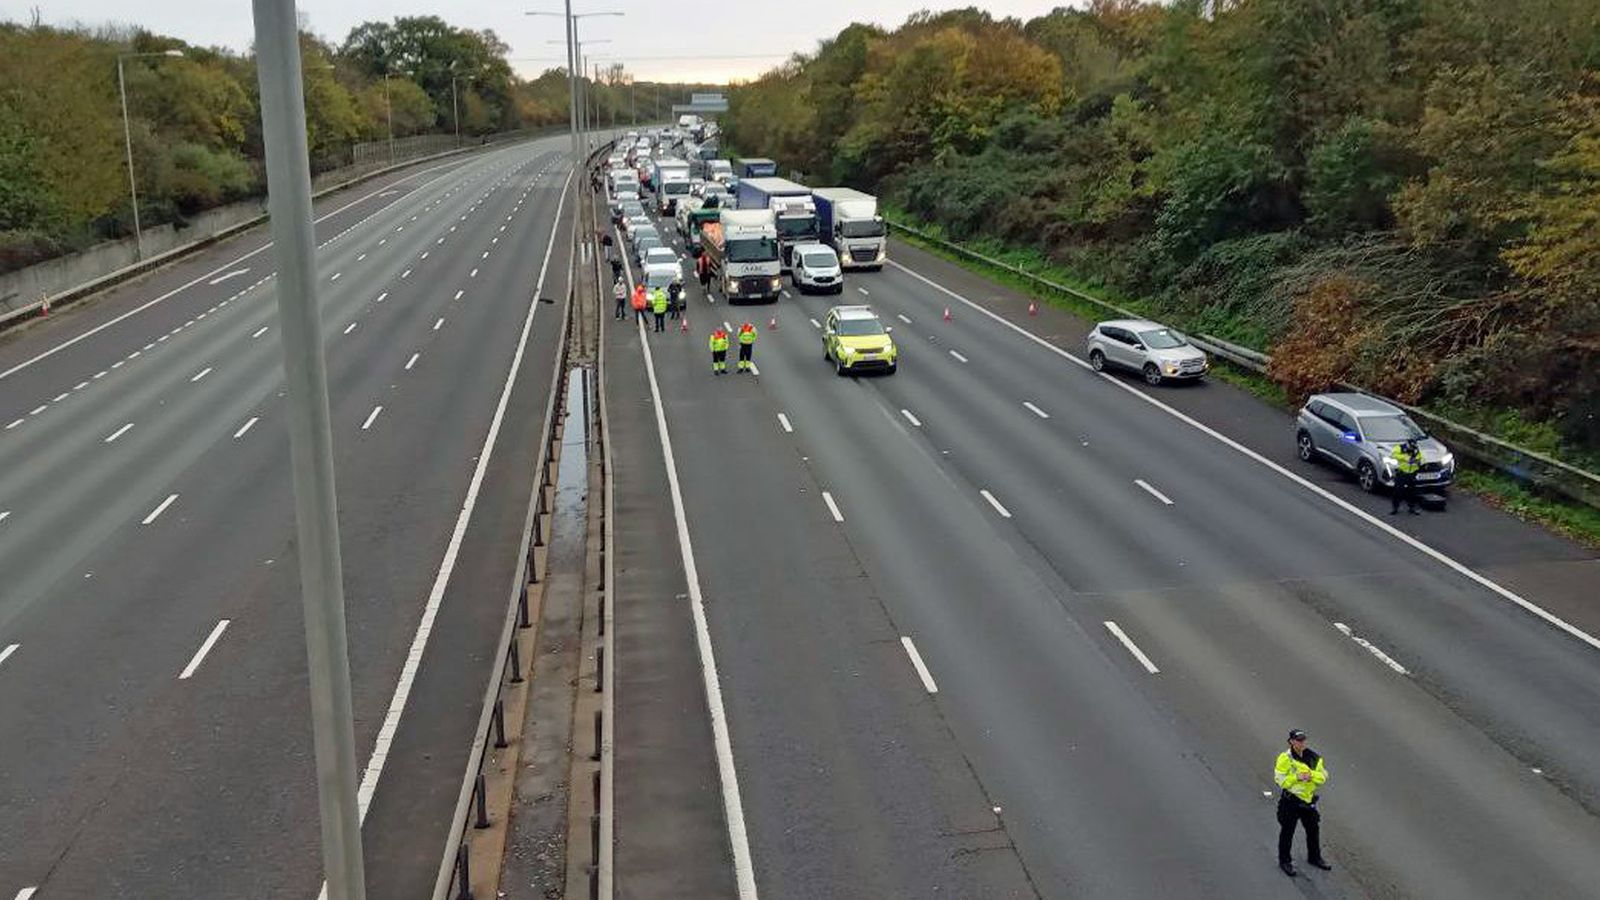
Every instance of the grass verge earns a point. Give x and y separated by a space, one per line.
1573 520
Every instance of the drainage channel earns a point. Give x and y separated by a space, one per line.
549 850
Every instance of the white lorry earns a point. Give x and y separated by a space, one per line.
849 223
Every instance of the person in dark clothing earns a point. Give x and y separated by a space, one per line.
616 268
1299 773
675 298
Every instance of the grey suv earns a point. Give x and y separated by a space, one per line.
1154 351
1357 432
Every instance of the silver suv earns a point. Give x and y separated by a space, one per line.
1154 351
1357 432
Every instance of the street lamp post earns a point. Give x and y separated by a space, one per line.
574 67
455 105
127 140
388 111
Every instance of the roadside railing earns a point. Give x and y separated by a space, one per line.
454 881
1525 465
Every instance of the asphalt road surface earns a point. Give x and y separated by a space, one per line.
1001 626
156 730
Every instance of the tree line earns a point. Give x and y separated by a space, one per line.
1400 193
194 122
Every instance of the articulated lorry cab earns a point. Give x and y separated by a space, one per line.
742 249
671 179
791 204
849 223
754 168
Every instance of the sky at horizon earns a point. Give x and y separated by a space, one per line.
656 41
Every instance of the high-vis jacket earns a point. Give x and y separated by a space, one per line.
1287 774
638 296
658 301
719 341
1404 463
747 333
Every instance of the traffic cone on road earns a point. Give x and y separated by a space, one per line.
44 305
947 316
1033 308
683 324
772 324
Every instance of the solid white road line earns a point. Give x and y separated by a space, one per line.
1132 647
200 374
1416 544
733 807
958 356
1384 657
200 655
458 294
995 503
245 427
371 416
919 665
118 433
784 421
349 328
1036 410
438 323
412 361
260 331
832 507
911 418
5 655
160 509
1152 491
226 275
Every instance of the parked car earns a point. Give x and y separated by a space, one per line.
636 221
619 201
816 268
1357 432
663 259
644 243
1151 349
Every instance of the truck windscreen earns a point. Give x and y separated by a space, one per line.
797 226
748 250
861 229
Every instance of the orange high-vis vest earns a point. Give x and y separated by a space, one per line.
638 296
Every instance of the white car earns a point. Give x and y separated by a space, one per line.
663 259
1153 350
632 224
816 268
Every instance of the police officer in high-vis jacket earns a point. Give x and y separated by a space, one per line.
1407 462
1299 773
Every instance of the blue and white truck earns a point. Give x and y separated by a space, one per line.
848 221
755 167
791 204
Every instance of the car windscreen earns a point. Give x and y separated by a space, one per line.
820 260
631 208
648 243
1390 428
859 327
1162 339
861 229
752 250
661 256
675 187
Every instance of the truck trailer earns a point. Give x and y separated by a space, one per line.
790 202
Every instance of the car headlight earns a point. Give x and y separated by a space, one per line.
1448 460
846 350
1172 368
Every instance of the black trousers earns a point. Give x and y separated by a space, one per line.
1405 489
674 307
620 303
638 316
661 321
1290 812
746 351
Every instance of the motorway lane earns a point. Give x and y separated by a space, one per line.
224 549
1254 598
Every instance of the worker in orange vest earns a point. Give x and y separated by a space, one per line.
638 303
747 347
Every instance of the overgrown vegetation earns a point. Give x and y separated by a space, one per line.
1403 194
194 123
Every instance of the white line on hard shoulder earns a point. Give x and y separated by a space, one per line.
246 427
200 374
919 665
832 507
1152 491
1426 549
349 328
118 433
1036 410
159 509
200 655
784 421
412 361
1132 647
958 356
5 655
371 416
995 503
1385 658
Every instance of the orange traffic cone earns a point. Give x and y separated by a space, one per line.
683 324
773 323
947 316
44 308
1033 308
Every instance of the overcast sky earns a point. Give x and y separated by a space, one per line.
768 30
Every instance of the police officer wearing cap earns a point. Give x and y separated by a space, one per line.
1299 773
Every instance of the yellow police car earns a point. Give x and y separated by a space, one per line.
855 341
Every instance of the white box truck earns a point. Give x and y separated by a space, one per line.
849 223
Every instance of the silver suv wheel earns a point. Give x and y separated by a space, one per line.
1306 449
